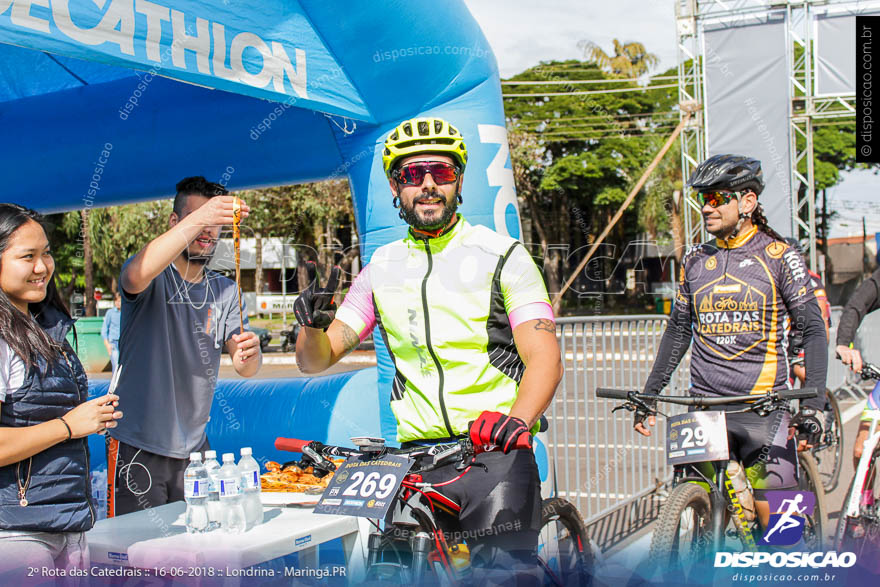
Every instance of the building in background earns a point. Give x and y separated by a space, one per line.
850 260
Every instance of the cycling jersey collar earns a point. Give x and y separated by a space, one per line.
436 234
739 241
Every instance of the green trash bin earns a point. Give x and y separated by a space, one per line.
90 348
663 305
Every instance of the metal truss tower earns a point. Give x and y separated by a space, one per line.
805 107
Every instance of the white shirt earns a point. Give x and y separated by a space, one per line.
12 370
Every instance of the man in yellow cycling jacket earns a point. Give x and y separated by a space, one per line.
467 320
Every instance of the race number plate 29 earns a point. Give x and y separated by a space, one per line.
695 437
364 487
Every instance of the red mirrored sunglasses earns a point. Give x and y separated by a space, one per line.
717 198
414 173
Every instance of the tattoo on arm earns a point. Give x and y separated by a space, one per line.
350 339
545 324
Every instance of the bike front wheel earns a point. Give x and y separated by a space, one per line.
829 452
564 554
815 524
684 527
861 533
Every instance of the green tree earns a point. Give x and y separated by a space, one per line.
313 217
576 157
113 235
834 151
630 60
68 266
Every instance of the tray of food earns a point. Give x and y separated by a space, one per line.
292 479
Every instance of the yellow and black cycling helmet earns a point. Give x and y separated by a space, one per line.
423 135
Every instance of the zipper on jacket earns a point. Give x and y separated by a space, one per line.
84 441
428 340
88 480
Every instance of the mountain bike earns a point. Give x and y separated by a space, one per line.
703 503
858 529
417 544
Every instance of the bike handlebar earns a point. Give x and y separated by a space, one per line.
462 449
804 393
610 393
290 444
783 394
870 371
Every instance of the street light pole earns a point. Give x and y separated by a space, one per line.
284 284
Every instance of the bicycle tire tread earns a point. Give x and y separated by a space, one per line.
872 528
562 509
832 479
811 470
670 515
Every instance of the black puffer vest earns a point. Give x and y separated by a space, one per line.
59 491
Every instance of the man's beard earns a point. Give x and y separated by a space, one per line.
199 259
724 231
411 217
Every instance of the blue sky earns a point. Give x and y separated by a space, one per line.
523 33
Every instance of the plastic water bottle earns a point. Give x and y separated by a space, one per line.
215 511
233 517
250 476
99 492
195 491
743 493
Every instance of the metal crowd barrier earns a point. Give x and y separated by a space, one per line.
602 465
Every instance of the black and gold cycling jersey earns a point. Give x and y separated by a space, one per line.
739 296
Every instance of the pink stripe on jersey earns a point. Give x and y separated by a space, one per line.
359 300
533 311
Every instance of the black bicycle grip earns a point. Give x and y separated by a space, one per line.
543 423
804 393
609 393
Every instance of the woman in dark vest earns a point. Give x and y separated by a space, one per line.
45 498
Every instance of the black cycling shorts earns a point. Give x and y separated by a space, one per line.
500 498
762 446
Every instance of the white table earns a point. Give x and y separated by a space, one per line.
157 539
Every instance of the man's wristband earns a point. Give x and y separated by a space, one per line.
69 431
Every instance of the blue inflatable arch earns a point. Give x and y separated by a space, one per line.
106 102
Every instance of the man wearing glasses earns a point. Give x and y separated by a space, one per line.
735 296
465 315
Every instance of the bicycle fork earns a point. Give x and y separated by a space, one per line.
720 505
421 546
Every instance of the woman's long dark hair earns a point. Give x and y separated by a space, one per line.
22 333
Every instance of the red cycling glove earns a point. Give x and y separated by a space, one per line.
497 429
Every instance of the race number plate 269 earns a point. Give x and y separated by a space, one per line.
695 437
364 488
